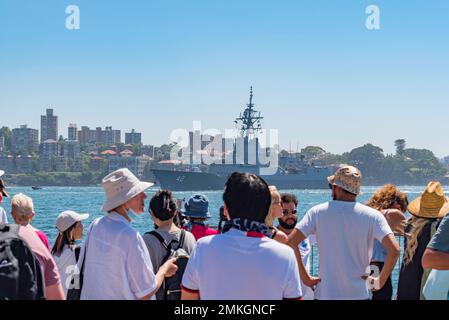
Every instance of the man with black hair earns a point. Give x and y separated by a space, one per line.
258 267
163 210
287 224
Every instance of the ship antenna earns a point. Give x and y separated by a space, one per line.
250 118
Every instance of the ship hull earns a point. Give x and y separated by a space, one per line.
199 181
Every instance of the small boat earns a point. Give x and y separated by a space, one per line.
36 188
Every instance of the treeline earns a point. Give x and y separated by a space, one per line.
56 179
408 166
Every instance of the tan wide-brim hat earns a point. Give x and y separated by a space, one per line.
348 178
431 204
120 186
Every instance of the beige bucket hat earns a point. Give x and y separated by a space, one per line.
348 178
120 186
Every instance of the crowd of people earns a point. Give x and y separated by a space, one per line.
261 252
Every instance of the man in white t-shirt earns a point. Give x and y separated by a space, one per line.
117 263
345 231
243 263
3 194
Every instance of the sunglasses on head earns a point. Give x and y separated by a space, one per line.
287 212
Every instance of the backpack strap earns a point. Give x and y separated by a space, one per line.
77 253
182 238
160 239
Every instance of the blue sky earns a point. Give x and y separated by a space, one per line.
319 75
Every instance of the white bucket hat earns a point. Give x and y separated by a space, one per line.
2 173
68 218
121 186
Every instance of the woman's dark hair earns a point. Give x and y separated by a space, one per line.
247 196
65 238
163 206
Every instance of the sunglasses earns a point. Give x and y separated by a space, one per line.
287 212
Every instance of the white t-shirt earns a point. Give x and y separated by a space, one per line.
118 265
345 233
66 263
3 216
234 266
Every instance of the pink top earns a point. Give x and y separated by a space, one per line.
47 263
43 238
201 231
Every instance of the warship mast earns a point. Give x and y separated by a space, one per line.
250 126
249 119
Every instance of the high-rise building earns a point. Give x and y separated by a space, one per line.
25 140
107 136
72 152
133 137
49 126
135 164
48 155
110 136
73 132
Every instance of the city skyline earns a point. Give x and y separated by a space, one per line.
155 67
64 132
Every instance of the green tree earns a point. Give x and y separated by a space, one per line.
368 159
313 152
400 147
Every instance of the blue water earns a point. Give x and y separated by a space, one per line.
51 201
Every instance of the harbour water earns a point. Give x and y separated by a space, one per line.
50 201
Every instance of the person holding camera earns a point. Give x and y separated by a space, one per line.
168 240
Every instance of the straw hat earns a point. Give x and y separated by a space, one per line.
120 186
348 178
68 218
431 204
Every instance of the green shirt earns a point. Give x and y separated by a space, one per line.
440 240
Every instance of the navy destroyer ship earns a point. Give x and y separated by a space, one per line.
291 172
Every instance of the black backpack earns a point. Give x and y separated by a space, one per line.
20 272
171 288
